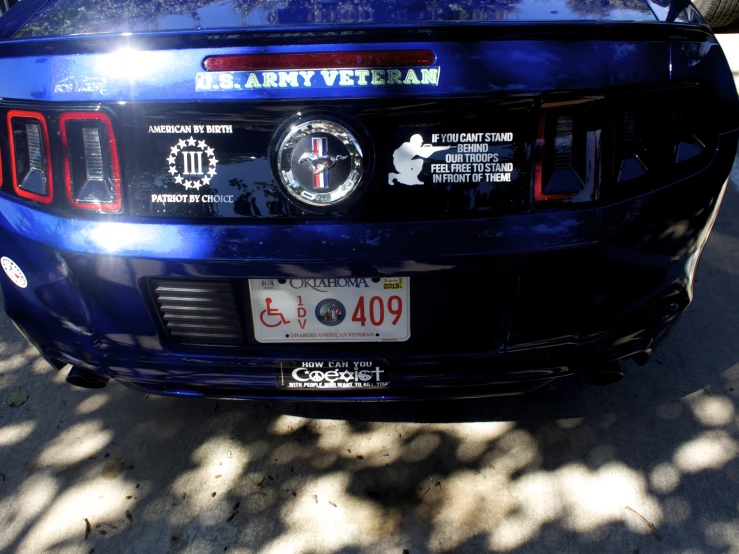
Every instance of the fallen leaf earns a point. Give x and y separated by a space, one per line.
218 476
129 497
360 457
213 494
88 528
16 398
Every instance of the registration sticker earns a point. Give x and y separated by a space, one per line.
335 309
332 374
13 271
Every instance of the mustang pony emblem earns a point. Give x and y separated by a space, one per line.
320 162
330 151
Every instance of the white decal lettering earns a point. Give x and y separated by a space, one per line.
329 77
288 78
307 76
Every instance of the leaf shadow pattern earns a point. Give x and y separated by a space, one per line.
647 466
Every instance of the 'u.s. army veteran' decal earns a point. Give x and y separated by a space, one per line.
207 81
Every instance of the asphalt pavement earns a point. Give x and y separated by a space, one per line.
650 465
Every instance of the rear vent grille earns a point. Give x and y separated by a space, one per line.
199 312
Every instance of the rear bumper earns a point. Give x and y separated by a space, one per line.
576 288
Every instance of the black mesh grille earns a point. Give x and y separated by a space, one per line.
199 312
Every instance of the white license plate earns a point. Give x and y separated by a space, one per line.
336 309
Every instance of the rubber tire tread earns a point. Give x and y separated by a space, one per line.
718 13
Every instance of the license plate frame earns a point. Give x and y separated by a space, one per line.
327 310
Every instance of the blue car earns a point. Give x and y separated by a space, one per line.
336 199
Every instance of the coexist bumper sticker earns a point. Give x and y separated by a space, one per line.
332 374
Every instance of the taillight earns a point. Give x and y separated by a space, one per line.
92 176
567 163
615 148
30 157
690 131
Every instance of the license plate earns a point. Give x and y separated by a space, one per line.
332 374
336 309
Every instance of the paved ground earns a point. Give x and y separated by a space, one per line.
648 466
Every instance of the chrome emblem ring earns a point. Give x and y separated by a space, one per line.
319 162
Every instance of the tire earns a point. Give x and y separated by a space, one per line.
718 13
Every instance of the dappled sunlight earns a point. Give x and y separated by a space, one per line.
15 433
77 443
664 479
711 450
670 411
92 403
713 411
470 502
474 438
724 535
599 497
286 425
676 510
513 452
34 495
219 463
324 518
96 499
422 446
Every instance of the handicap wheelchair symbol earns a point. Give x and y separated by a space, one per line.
271 312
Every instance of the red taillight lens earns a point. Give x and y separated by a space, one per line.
320 60
30 156
91 169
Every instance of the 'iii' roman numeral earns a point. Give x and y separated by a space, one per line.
189 162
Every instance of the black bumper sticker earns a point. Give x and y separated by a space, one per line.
332 374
